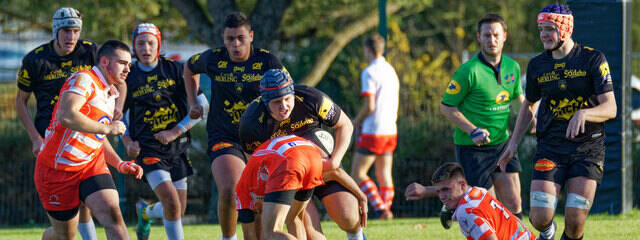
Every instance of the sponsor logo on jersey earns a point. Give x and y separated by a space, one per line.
544 165
263 173
503 96
453 88
251 77
223 64
221 145
87 43
235 111
106 120
256 66
150 160
238 68
548 77
510 78
39 49
574 73
23 77
152 78
326 108
161 118
66 64
559 65
54 200
194 58
475 194
604 69
565 108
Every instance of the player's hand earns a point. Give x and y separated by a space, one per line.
507 155
130 167
480 137
363 208
195 111
415 191
116 128
167 136
117 114
576 125
35 147
133 149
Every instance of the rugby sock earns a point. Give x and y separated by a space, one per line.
369 188
387 193
173 229
565 237
355 236
154 210
87 230
519 215
549 231
231 238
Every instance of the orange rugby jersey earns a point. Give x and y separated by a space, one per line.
480 215
270 157
68 150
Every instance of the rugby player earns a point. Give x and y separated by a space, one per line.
573 84
157 132
71 169
235 71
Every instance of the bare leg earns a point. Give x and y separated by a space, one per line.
575 218
541 217
273 219
342 207
311 221
61 229
226 170
507 187
106 207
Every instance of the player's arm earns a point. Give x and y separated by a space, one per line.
602 112
344 130
516 104
191 85
167 136
124 167
22 98
416 191
522 123
69 116
368 106
340 176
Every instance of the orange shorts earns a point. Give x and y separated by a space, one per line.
60 190
301 170
378 144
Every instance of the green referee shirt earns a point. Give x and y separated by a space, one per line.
483 94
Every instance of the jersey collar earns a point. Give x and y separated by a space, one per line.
496 69
96 71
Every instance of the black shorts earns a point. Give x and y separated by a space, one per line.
328 188
479 163
86 188
221 146
557 164
177 165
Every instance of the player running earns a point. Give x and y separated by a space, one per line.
158 125
43 72
480 215
284 109
70 168
279 180
235 71
573 84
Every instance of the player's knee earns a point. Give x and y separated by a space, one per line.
174 208
577 201
227 194
349 223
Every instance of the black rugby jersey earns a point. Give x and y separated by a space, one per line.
233 86
43 72
312 108
156 101
565 86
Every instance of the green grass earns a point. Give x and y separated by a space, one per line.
607 227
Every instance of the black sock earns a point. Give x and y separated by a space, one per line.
519 215
565 237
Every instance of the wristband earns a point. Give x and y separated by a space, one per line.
124 164
475 133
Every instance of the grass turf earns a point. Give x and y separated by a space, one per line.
610 227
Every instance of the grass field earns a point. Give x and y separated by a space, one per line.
617 227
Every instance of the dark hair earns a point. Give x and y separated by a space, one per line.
237 19
557 8
447 171
375 43
108 49
492 18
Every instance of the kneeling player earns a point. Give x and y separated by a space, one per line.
480 215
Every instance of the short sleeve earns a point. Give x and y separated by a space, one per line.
458 88
328 112
26 75
274 63
81 84
601 75
517 90
198 63
368 84
532 90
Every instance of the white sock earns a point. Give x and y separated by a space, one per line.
87 230
355 236
154 210
547 233
231 238
173 229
